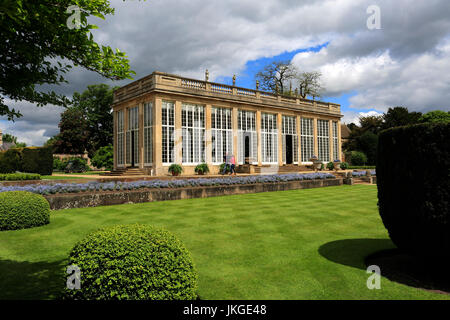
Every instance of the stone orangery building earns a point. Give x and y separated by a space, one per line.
164 119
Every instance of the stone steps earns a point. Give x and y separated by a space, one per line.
125 172
270 169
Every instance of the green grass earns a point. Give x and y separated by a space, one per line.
68 176
95 172
299 244
55 177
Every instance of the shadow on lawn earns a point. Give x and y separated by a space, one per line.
395 265
31 280
353 252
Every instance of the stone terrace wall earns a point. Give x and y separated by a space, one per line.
104 198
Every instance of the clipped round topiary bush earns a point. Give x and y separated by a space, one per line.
413 177
21 209
133 262
358 158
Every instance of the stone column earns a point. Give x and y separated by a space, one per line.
316 144
339 140
208 135
299 141
234 127
157 137
280 138
178 137
258 137
125 134
114 139
141 135
330 138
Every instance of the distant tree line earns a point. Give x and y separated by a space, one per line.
363 138
86 125
9 138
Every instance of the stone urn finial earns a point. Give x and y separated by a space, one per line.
234 80
296 92
276 88
206 75
290 88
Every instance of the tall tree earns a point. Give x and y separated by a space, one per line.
95 102
309 84
435 116
42 39
399 116
371 123
364 137
275 76
13 139
73 132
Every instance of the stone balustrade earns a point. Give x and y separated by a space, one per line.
173 83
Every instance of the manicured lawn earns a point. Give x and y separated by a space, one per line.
62 177
300 244
79 173
67 176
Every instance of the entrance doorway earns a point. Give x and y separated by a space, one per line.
133 141
289 153
247 150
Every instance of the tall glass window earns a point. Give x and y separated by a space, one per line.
133 136
168 129
323 139
307 138
193 127
221 133
120 138
289 128
148 133
336 153
269 138
247 138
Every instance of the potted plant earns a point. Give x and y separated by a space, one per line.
317 164
330 165
201 169
175 169
337 164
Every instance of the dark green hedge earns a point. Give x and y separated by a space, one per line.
19 176
133 262
10 161
31 159
21 209
413 172
37 160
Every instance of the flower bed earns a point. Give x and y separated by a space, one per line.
90 187
363 173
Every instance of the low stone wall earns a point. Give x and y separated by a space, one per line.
94 199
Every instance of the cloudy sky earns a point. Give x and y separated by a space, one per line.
405 63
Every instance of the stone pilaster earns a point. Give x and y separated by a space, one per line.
299 140
280 138
157 137
125 134
234 127
141 135
258 136
316 144
330 138
178 136
208 135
